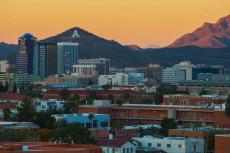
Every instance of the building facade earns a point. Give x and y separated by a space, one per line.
154 71
102 64
181 71
121 79
26 53
67 56
84 70
172 144
47 60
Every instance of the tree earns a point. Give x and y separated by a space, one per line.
44 120
72 105
119 102
26 110
116 125
227 106
91 97
46 135
158 98
149 131
72 133
125 97
106 87
166 124
64 94
91 118
110 98
7 114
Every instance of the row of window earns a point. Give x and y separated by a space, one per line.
128 150
168 145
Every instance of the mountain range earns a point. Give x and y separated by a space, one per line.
93 46
208 36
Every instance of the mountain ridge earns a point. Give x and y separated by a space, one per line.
216 35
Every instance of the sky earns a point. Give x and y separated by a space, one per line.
140 22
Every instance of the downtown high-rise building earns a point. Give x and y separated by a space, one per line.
67 56
47 60
27 45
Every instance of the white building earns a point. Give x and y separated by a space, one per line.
4 66
121 79
112 145
84 70
171 144
44 105
181 71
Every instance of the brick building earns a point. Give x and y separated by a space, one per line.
138 114
222 143
194 100
45 147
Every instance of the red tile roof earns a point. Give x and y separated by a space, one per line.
11 96
57 91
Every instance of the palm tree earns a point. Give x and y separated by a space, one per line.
91 118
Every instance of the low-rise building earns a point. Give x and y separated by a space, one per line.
50 104
84 70
194 100
222 143
98 121
47 147
171 144
113 145
205 133
70 81
119 79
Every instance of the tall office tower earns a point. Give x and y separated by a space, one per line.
67 56
154 71
47 60
102 64
26 49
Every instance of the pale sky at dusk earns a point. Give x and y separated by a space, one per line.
141 22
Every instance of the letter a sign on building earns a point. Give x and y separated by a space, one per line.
75 34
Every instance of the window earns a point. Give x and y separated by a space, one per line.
158 145
123 150
131 150
149 145
179 145
104 124
168 145
127 150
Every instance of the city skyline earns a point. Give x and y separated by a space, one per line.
157 22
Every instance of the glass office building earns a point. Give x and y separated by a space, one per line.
26 52
67 56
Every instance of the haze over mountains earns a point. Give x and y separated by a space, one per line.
210 39
208 36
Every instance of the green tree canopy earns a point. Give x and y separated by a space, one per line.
166 124
227 106
26 111
7 114
64 94
72 105
72 133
